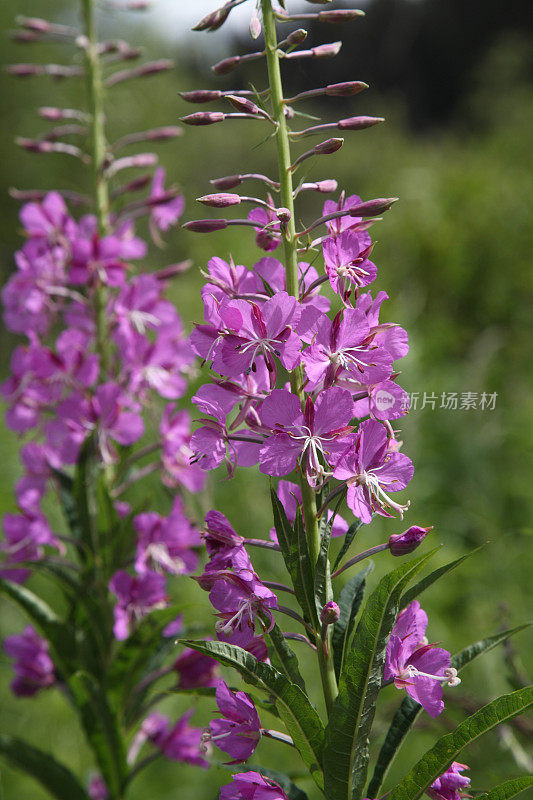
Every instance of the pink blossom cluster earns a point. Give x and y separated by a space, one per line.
63 389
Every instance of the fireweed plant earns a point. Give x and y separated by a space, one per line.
303 387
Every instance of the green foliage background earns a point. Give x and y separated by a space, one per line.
455 258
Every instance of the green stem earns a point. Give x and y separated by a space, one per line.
290 243
99 150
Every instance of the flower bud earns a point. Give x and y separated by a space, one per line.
401 544
334 17
24 70
255 27
328 147
284 215
213 21
372 208
330 613
204 118
226 65
243 104
358 123
326 186
345 89
201 96
296 37
222 200
229 182
326 50
34 24
206 225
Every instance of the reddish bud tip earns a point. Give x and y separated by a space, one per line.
358 123
372 208
283 214
296 37
402 544
228 182
206 225
337 17
330 613
345 89
201 96
222 200
226 65
204 118
328 147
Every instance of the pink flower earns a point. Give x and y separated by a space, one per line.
239 599
416 666
97 788
180 742
25 537
34 669
136 597
450 785
194 669
164 210
176 452
268 230
347 263
239 732
251 786
48 220
166 542
271 272
321 431
401 544
372 471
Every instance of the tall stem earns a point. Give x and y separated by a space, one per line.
327 671
98 154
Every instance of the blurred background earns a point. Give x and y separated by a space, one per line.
455 83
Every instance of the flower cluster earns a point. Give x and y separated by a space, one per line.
34 669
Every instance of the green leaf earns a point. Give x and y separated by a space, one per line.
440 756
293 546
430 579
409 710
350 600
346 751
301 719
322 581
101 728
508 789
53 776
348 539
283 656
290 788
59 635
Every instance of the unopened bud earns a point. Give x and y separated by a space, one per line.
139 161
201 96
206 225
358 123
204 118
372 208
242 104
345 89
255 27
24 70
326 186
401 544
339 16
326 50
284 215
228 182
328 147
34 24
213 21
222 200
226 65
52 114
296 37
144 71
330 613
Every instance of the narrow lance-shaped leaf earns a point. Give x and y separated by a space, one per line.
322 582
283 657
53 776
429 580
508 789
409 710
440 756
346 749
302 721
348 539
350 599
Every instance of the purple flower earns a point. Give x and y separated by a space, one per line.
165 211
124 427
372 471
340 224
48 220
401 544
239 732
384 401
180 742
194 669
268 230
271 272
136 597
290 495
25 537
34 669
265 330
320 431
97 788
139 308
450 785
176 452
239 599
342 347
347 263
31 488
416 666
159 365
251 786
226 280
166 543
